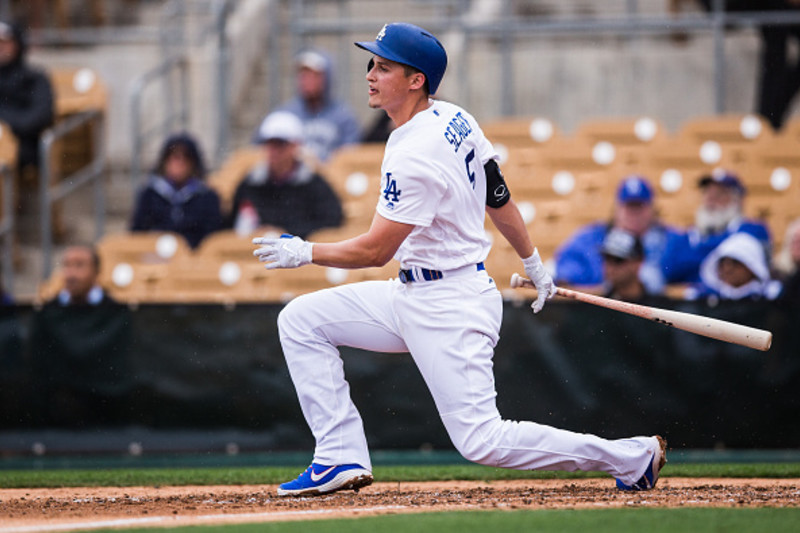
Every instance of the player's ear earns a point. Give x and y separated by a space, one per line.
418 80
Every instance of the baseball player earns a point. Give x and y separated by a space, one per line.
439 178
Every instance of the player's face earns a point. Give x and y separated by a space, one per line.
388 84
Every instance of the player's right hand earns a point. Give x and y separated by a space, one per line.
545 287
287 251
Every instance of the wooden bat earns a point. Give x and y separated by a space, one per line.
701 325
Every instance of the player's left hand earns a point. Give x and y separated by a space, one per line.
545 287
287 251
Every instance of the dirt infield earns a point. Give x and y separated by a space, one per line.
85 508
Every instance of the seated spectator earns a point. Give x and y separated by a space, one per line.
623 255
718 217
26 96
80 268
579 262
788 264
79 347
175 197
328 123
283 190
737 269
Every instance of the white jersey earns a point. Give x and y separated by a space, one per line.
432 176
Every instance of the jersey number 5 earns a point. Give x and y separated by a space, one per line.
470 173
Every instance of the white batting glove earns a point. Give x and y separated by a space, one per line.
287 251
541 278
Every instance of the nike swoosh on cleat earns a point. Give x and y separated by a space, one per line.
316 477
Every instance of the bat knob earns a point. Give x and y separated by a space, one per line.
516 281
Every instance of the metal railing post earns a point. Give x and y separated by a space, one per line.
718 24
45 177
50 193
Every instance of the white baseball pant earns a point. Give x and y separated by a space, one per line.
450 326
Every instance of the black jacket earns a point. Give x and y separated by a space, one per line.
303 205
26 103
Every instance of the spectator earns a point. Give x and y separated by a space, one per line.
79 347
26 96
737 269
788 263
80 267
718 217
622 254
176 198
579 262
328 123
283 190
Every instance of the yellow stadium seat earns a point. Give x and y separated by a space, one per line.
236 166
733 133
227 245
142 248
520 132
354 173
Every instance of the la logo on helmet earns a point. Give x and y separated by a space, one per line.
381 34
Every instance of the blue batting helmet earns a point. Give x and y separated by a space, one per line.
410 45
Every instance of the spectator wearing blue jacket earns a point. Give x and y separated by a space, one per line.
328 123
718 217
176 198
579 261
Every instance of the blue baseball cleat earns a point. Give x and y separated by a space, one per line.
321 479
650 477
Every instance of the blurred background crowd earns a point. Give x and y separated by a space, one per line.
652 146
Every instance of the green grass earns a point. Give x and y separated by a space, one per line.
695 520
127 477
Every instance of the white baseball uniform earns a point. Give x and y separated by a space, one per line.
433 178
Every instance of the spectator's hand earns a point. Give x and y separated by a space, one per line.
287 251
541 279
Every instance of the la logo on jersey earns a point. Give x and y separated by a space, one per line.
381 34
390 192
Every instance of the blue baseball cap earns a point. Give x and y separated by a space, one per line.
410 45
722 177
635 189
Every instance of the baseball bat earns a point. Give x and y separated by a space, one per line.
701 325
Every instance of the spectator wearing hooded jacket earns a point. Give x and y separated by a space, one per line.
328 123
718 217
737 269
26 95
283 190
175 197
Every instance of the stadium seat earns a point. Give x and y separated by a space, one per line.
8 160
77 90
733 133
354 173
627 134
142 248
236 166
227 245
520 132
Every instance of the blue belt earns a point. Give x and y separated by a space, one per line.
408 276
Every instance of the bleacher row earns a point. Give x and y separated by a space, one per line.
559 181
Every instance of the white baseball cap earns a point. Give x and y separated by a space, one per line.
280 125
313 60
